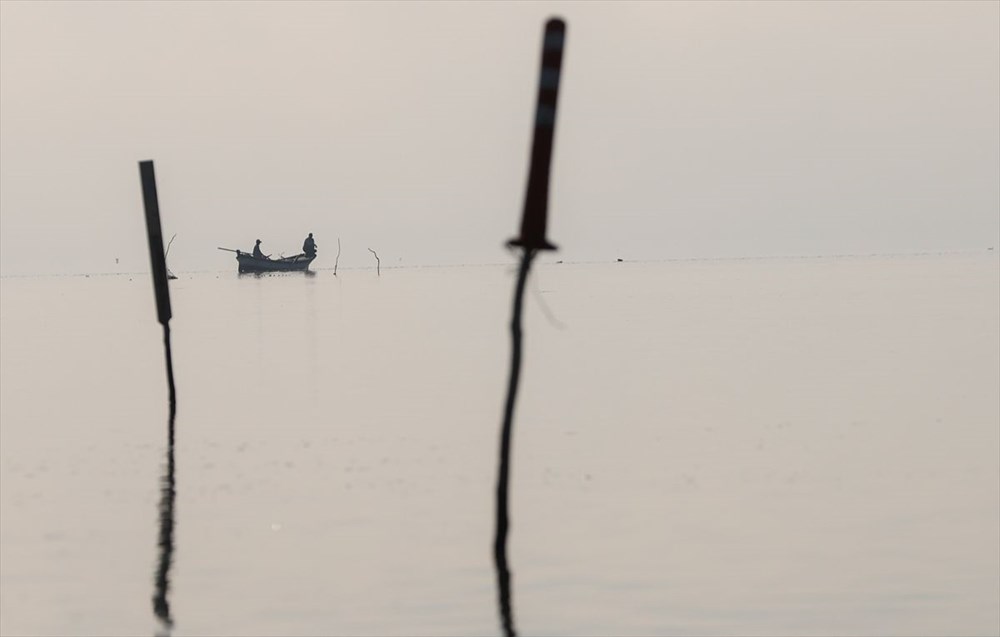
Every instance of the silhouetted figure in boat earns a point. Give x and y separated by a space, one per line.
309 246
256 251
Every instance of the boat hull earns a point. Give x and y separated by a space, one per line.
251 264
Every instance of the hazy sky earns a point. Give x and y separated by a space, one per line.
703 129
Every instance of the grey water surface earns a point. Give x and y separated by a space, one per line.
742 447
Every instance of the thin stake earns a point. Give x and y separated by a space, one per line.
337 260
378 263
531 240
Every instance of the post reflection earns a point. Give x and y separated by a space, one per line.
503 471
503 592
165 540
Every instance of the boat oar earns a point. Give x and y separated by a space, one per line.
531 240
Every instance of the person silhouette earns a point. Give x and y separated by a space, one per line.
309 246
256 251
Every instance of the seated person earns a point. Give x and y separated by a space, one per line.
256 251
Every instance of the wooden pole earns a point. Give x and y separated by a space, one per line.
159 268
531 240
157 258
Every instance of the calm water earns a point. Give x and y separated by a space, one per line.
781 447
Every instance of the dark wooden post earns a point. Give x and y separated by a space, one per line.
531 240
157 259
159 267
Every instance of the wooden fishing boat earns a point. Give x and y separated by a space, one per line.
250 263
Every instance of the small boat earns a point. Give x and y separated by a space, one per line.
250 263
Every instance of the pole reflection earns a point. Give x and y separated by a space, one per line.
503 472
165 540
503 593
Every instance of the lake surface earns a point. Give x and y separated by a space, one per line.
756 447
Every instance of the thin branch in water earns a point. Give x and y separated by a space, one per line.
546 310
170 275
337 260
378 263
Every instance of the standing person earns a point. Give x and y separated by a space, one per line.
309 246
256 251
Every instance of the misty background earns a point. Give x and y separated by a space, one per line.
685 130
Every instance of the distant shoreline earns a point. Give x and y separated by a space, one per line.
553 261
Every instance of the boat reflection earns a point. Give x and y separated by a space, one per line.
165 540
